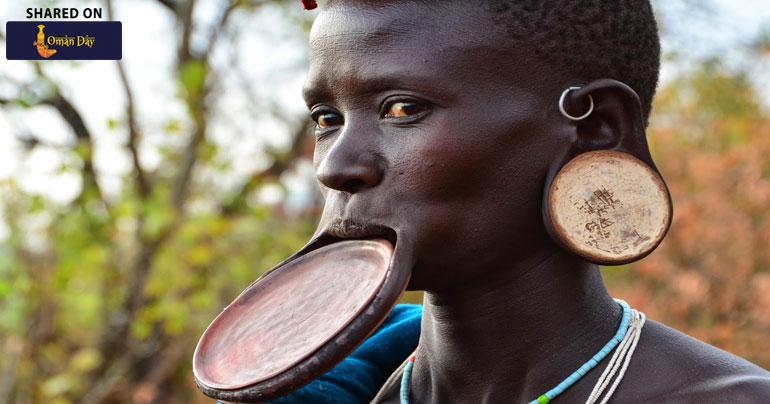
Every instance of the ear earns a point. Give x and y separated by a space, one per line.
616 123
604 120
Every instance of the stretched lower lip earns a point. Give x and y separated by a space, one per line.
352 273
357 294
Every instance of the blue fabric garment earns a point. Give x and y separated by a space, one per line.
358 378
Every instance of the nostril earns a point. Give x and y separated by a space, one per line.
350 171
353 185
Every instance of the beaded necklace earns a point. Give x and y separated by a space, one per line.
625 339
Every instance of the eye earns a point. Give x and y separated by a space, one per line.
325 119
403 108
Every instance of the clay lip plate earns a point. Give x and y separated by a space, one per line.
290 313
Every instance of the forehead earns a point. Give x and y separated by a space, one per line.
369 24
353 43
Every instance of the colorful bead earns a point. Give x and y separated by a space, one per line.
405 379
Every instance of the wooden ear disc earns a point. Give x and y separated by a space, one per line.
608 207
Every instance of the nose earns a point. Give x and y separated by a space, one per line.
349 168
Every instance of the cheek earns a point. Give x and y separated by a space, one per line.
473 184
462 162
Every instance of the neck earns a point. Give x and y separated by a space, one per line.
515 334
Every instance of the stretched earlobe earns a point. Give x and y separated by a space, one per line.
606 201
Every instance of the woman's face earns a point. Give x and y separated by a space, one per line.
430 123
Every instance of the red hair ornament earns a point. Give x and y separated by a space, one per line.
309 4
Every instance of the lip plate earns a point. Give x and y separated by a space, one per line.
246 321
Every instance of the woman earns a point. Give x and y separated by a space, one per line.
447 123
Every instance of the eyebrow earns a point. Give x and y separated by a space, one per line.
320 91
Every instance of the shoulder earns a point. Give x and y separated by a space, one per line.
670 366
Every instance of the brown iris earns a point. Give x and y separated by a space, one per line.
400 109
328 119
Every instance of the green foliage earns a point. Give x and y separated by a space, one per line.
75 287
192 77
711 96
105 296
172 126
113 124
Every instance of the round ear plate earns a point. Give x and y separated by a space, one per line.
609 207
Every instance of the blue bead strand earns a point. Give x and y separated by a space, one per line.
591 363
405 379
566 383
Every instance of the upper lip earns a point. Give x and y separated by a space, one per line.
352 229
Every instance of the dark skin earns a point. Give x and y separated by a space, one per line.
431 123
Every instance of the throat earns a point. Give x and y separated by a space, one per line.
511 338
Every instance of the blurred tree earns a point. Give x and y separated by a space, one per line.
108 304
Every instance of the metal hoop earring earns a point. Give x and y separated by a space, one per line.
564 111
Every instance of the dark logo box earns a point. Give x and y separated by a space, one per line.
63 40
